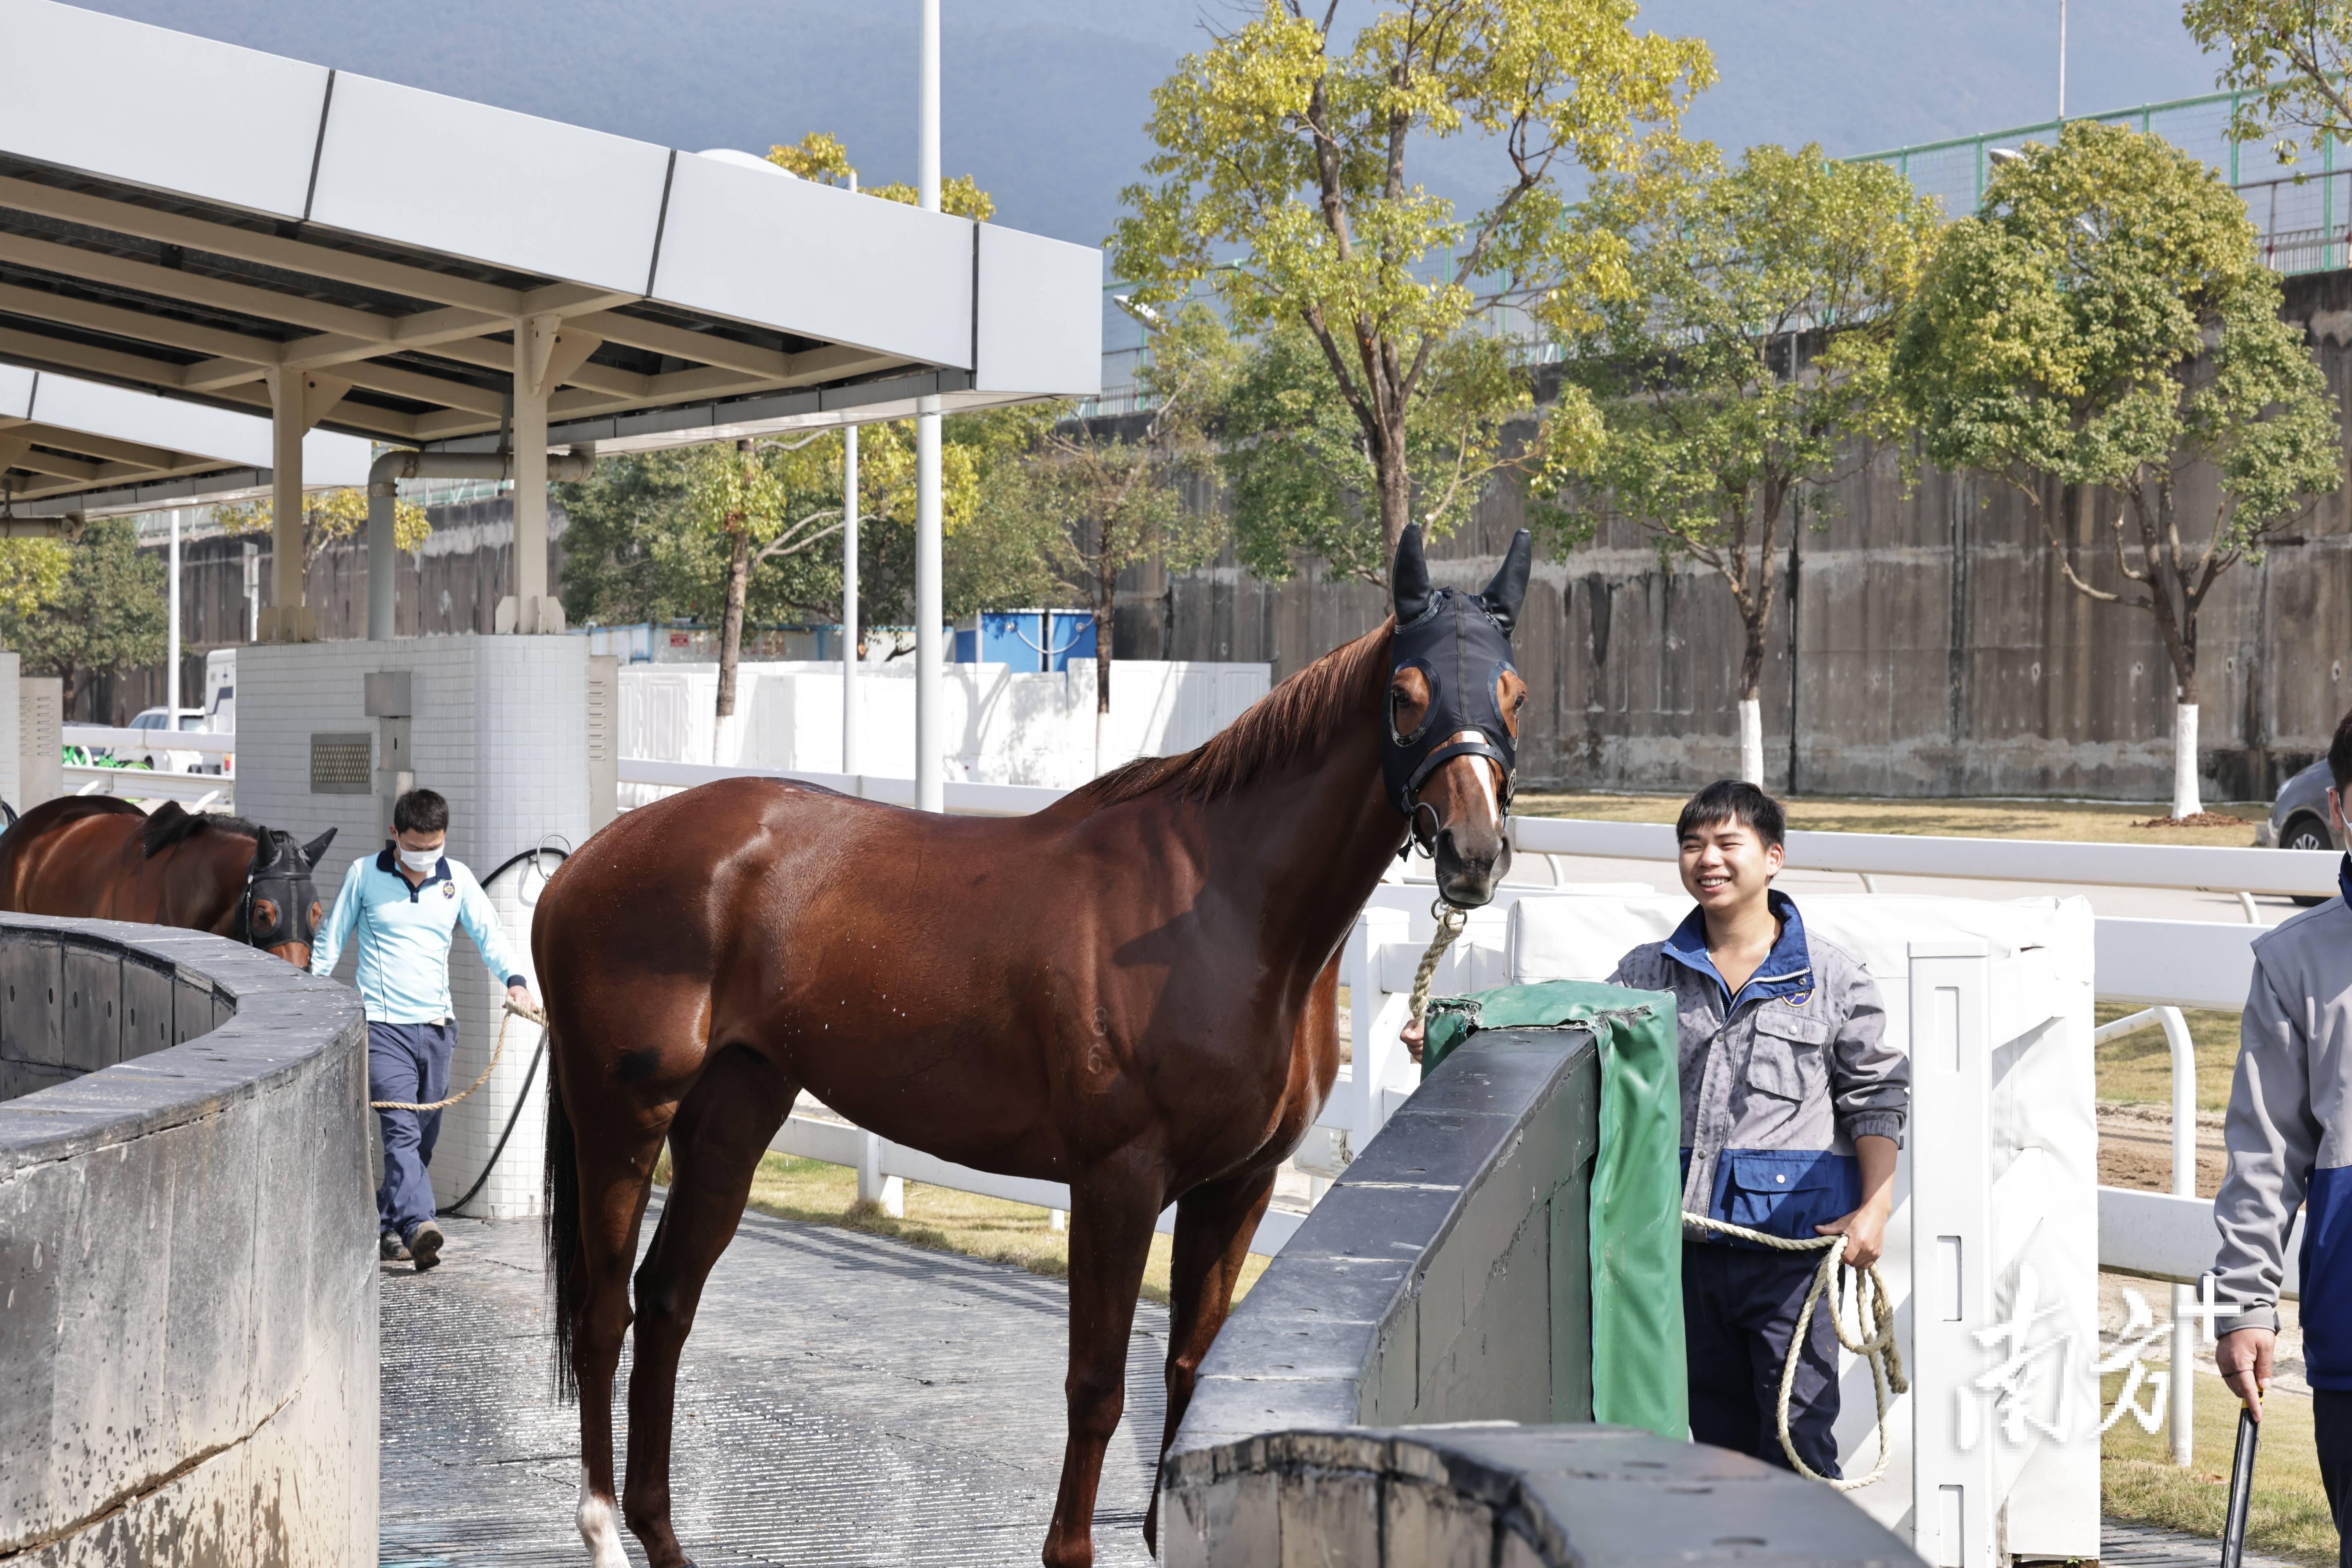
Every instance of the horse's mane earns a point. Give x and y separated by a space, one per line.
1304 716
171 823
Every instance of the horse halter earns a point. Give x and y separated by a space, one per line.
1461 643
280 873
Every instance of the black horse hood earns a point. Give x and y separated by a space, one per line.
1461 643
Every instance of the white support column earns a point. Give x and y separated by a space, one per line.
873 1186
929 730
297 400
852 759
534 348
171 637
1953 1269
383 561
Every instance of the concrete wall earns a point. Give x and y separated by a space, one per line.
1445 1275
1932 647
501 727
188 1358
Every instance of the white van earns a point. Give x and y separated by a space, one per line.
220 691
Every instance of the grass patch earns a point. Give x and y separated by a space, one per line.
2139 1066
2289 1514
944 1220
2096 822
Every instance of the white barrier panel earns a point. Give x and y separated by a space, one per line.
2166 1237
141 784
2179 964
965 799
839 1143
2304 871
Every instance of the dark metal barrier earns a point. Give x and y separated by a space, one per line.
188 1253
1445 1277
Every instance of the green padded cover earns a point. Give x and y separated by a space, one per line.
1639 1374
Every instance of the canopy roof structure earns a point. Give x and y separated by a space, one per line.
390 242
350 254
68 445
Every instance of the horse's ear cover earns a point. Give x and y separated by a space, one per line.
1509 591
317 847
1412 577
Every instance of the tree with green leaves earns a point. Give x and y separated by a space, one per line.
2286 60
1747 360
330 518
1097 496
1283 182
106 615
2103 325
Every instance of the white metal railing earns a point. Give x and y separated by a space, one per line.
2289 871
107 737
202 790
963 799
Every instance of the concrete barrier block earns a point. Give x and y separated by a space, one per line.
90 1005
31 968
146 1008
1328 1517
1424 1526
208 1252
34 1205
1484 1372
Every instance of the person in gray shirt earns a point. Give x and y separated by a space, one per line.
1794 1107
2290 1140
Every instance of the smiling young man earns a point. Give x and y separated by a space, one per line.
1794 1107
401 909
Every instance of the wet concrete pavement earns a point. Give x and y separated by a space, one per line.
844 1399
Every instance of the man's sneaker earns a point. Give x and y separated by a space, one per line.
389 1247
424 1246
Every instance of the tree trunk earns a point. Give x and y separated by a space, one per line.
2187 800
725 748
1751 708
1395 484
1106 601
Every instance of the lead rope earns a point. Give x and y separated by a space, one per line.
513 1013
1451 919
1871 1305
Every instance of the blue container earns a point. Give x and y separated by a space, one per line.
1029 639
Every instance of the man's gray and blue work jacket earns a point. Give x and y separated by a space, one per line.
1779 1078
2290 1138
404 932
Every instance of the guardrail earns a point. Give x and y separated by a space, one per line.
212 743
202 790
186 1246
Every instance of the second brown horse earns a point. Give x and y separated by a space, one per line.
1132 992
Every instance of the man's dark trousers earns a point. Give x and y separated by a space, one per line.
2331 1434
408 1062
1740 1307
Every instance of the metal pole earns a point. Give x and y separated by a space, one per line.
2062 60
171 638
2183 1051
851 761
929 791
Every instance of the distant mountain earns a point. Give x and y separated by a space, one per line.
1044 101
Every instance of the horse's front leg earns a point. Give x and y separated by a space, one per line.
1113 1207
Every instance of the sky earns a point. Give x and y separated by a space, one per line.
1043 101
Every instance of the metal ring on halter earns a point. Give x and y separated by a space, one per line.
1413 832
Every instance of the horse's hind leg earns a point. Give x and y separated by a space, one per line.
715 1144
615 1173
1113 1208
1214 1225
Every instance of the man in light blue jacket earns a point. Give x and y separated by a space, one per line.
402 909
2290 1138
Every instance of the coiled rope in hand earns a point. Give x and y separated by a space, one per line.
1871 1306
1451 919
513 1011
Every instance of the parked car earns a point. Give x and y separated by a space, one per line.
162 760
2299 816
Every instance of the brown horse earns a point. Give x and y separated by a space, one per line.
1166 1034
99 857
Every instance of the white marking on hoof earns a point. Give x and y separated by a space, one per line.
596 1529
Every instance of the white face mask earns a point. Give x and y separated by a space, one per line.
420 861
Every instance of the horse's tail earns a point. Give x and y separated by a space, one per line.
567 1270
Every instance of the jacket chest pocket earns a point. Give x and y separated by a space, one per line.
1784 1056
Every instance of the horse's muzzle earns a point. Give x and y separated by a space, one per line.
1470 864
